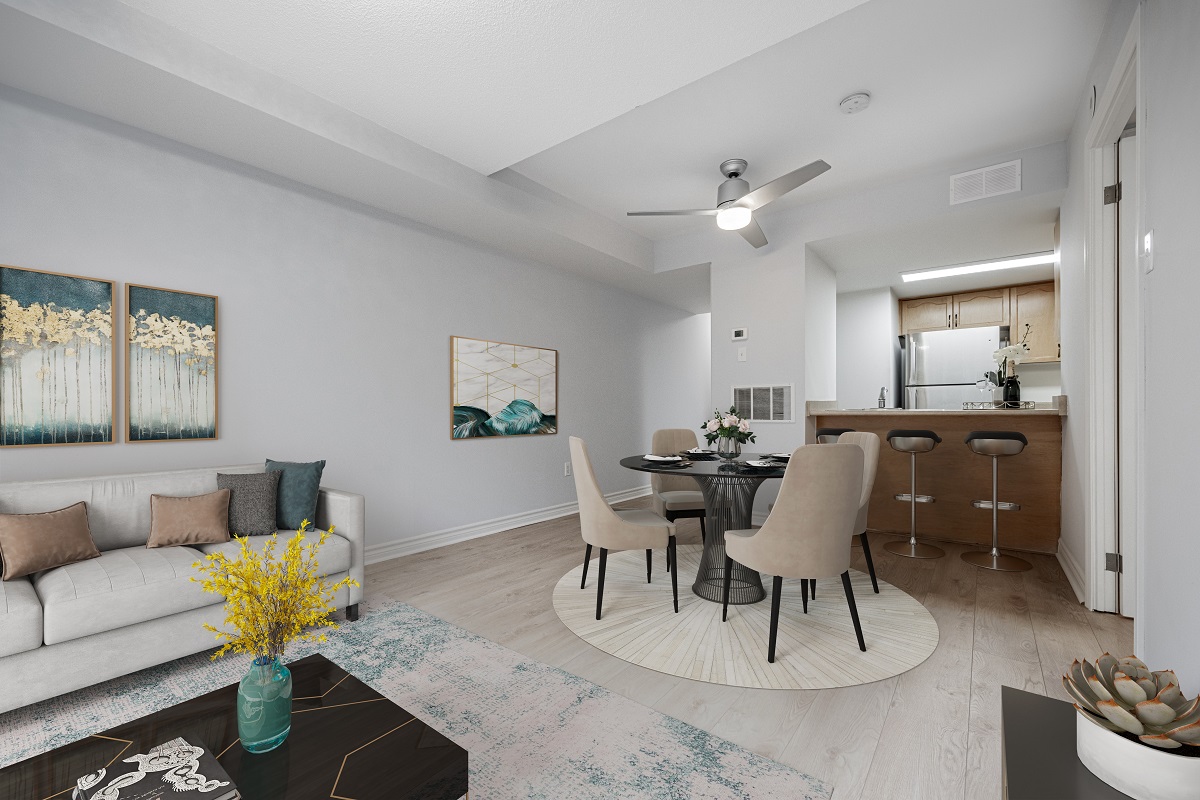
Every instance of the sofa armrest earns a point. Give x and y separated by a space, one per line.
347 512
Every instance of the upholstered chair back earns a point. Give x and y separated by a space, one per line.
669 441
598 523
808 532
869 442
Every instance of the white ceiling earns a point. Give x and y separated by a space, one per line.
487 82
950 81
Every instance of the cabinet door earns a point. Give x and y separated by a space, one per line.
1034 306
980 309
925 314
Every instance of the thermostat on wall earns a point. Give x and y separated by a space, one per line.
740 334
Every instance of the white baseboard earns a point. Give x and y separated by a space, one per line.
429 541
1074 574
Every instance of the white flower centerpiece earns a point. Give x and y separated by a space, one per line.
729 431
1005 376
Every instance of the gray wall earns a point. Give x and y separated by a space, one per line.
867 344
334 325
1171 83
820 328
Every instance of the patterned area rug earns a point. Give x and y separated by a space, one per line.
815 650
532 730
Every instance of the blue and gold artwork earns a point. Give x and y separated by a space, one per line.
501 389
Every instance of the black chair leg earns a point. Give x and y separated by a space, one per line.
725 590
804 593
587 559
853 610
812 587
866 546
600 585
674 572
776 591
650 563
703 535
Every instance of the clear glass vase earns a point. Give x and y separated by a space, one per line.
729 448
264 705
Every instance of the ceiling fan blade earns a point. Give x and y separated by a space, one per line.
689 212
782 185
753 234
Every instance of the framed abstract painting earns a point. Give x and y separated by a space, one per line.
56 359
502 389
171 368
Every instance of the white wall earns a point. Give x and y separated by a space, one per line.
1073 317
867 345
1170 70
820 328
676 374
334 325
1040 382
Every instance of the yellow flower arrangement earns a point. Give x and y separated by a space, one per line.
271 601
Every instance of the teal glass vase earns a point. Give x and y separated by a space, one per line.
264 705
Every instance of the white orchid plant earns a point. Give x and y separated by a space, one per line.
727 426
1014 353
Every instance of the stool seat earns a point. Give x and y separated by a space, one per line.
830 435
913 440
996 443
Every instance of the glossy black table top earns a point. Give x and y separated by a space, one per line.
347 740
708 468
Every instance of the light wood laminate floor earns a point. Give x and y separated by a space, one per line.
933 732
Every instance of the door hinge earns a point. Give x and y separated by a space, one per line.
1114 562
1112 194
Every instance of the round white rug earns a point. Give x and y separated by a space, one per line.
816 650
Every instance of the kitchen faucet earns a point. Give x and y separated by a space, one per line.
883 397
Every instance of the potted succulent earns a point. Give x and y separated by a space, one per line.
729 431
1136 730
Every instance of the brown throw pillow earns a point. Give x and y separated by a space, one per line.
203 519
33 542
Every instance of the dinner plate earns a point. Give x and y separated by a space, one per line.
780 456
665 459
696 451
761 464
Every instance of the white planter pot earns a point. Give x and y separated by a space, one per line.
1138 770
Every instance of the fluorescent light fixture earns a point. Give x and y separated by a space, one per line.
733 218
971 269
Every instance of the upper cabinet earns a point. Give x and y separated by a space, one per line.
1014 306
1033 305
926 314
981 309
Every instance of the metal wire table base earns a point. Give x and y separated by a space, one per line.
729 503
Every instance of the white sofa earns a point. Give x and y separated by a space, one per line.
133 607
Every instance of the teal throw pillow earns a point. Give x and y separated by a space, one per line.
298 487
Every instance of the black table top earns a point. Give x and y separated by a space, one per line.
708 468
347 740
1040 760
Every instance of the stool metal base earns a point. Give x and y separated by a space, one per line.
914 549
997 561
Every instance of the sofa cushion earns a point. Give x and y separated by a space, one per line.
121 587
333 557
20 617
299 485
203 519
252 501
33 542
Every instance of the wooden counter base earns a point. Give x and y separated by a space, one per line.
955 476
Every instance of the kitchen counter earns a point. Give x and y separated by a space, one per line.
955 476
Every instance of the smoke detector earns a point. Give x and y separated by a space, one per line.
852 104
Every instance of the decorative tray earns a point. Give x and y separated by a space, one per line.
989 405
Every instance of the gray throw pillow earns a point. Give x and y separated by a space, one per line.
252 499
299 486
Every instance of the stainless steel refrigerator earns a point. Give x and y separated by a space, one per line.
942 368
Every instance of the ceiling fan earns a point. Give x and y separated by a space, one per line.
736 204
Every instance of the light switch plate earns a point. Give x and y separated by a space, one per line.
1148 251
741 354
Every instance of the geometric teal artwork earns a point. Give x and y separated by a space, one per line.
56 359
171 370
502 389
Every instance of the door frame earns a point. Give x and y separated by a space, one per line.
1116 102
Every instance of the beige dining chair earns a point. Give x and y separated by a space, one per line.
676 496
807 534
610 529
869 442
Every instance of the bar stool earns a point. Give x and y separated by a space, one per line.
913 442
996 444
830 435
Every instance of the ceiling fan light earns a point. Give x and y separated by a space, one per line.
734 218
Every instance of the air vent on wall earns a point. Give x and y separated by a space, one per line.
764 403
985 182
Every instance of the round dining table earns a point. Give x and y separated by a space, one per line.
729 488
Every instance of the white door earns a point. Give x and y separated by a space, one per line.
1130 378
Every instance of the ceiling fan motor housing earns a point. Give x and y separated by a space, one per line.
731 190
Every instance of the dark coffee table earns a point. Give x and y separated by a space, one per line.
348 742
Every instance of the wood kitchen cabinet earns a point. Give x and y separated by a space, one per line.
926 314
1033 305
981 309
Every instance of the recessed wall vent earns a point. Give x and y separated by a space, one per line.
764 403
985 182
